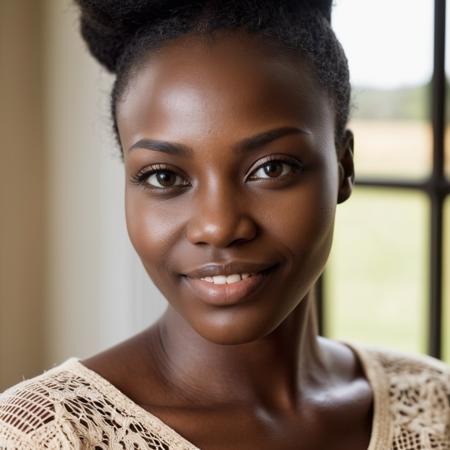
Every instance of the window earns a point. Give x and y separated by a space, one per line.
388 279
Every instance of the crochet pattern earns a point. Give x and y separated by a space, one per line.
71 407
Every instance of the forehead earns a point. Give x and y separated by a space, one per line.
231 81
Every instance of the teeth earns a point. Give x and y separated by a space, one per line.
220 279
230 279
233 278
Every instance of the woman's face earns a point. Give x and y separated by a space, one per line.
242 140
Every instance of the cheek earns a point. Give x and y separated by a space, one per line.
304 220
152 229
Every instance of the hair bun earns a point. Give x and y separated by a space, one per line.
324 6
108 25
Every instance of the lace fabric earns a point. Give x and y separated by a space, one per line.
71 407
418 401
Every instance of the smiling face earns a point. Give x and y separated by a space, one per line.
230 159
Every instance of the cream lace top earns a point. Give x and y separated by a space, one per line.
71 407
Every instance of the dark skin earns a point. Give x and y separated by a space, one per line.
253 375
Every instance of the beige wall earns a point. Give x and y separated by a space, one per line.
70 283
22 184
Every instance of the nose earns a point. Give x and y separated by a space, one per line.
220 219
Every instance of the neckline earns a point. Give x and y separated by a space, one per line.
381 432
117 396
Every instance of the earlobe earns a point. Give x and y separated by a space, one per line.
346 167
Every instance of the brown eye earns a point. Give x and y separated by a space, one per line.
275 169
161 179
166 179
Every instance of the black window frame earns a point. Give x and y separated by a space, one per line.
436 187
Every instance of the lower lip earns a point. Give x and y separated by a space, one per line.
227 294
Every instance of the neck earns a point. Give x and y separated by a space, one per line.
271 372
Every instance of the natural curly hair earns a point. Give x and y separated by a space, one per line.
120 33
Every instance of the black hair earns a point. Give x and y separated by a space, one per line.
119 34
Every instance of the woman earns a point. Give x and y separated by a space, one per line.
231 119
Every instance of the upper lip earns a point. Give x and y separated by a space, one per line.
228 268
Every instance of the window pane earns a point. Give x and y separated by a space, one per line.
391 75
446 324
376 279
394 149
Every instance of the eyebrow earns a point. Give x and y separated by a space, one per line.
247 144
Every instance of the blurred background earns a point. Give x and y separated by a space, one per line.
70 283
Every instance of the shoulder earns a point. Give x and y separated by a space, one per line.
402 367
414 390
72 407
34 412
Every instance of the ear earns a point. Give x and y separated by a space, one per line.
346 167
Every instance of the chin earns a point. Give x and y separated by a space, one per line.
236 327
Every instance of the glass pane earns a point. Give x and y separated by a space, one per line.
376 279
446 324
394 149
391 73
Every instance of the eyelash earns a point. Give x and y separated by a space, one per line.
141 177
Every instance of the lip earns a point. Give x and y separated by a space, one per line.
227 294
228 268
